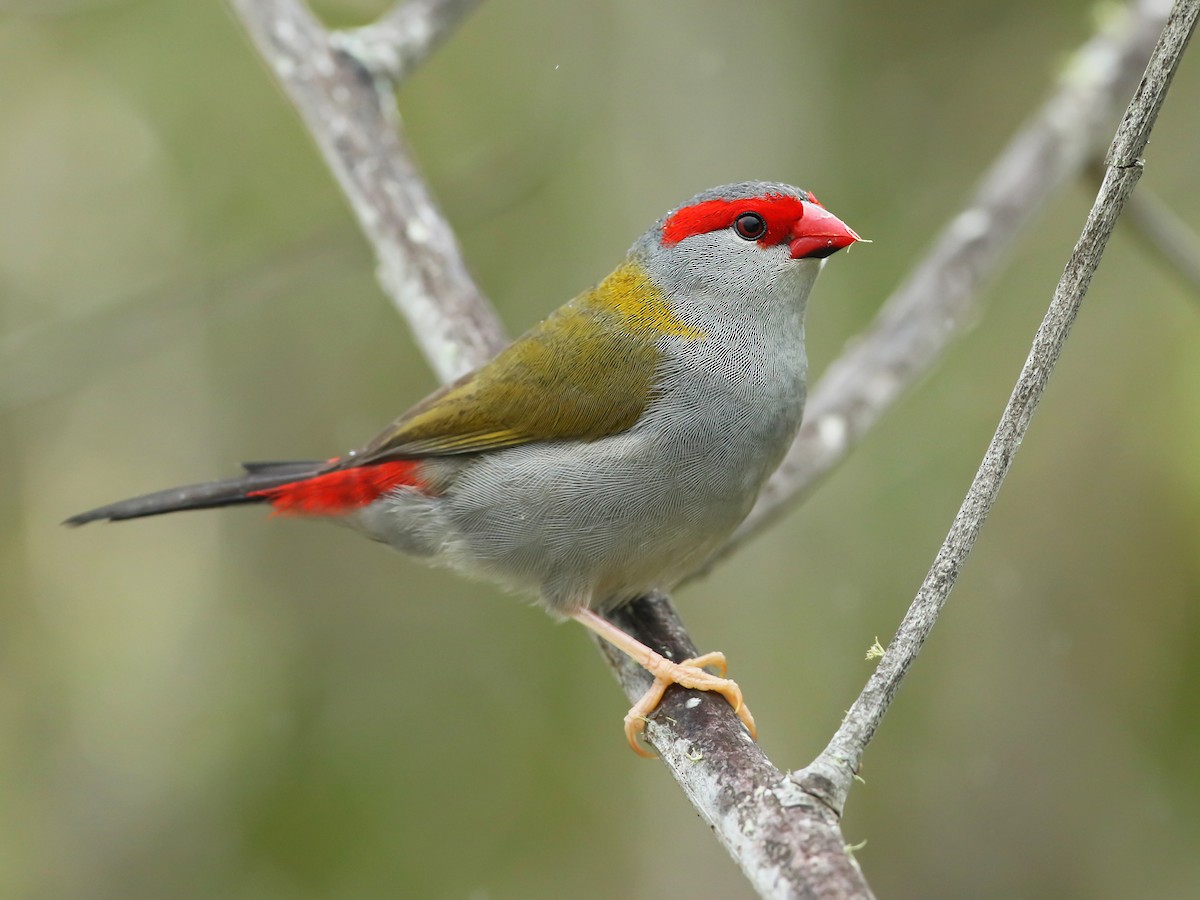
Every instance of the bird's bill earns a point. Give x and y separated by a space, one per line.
819 233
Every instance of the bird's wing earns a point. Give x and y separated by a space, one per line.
583 373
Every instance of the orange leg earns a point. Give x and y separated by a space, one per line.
689 674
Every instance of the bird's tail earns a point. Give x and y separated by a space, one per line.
256 486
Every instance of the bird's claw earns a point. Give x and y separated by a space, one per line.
688 674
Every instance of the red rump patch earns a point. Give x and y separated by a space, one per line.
342 491
780 212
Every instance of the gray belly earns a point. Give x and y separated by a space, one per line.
600 523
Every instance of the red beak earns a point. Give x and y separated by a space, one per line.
819 233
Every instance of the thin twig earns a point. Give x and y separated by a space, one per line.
1161 232
830 775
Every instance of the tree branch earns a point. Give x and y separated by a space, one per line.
351 112
1161 232
831 774
787 843
938 300
402 38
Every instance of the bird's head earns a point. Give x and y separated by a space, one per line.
753 238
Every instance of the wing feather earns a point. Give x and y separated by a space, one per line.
577 375
585 372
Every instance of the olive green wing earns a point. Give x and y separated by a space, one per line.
577 375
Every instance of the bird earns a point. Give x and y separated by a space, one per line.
611 449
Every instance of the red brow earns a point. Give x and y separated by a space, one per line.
779 210
342 491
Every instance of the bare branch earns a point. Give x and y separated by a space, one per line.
351 114
787 843
1162 233
830 774
404 37
938 299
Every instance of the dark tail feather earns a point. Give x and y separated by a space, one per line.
259 476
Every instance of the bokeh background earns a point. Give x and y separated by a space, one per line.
221 705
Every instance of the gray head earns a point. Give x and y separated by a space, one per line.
754 236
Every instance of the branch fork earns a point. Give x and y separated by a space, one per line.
781 828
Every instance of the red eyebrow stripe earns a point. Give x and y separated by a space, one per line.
779 210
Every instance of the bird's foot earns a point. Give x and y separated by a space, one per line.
688 674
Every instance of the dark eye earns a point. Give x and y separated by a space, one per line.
750 226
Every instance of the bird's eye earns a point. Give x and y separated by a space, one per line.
750 226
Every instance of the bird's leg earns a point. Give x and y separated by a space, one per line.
689 674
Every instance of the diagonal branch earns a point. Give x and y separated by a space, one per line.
1161 232
830 775
351 112
786 842
938 299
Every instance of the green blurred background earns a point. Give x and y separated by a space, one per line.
219 705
